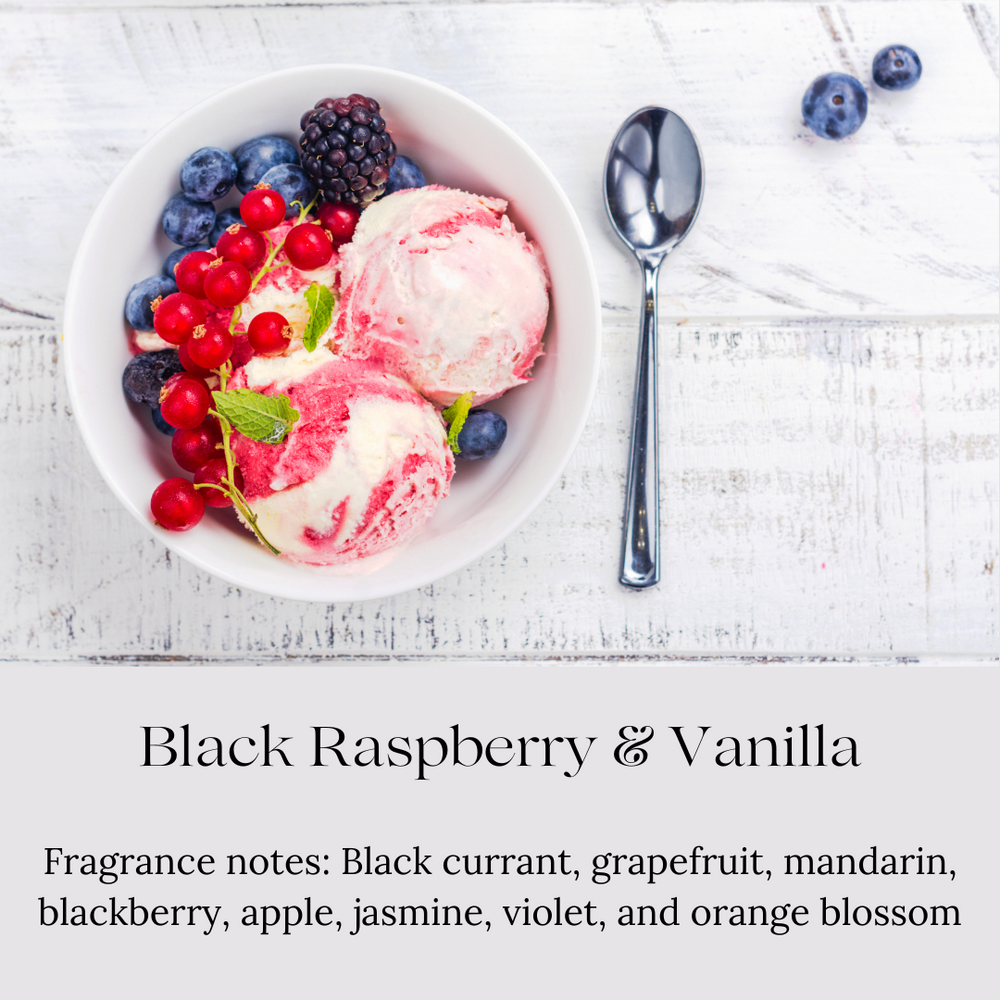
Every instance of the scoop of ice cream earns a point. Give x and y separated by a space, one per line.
363 468
439 287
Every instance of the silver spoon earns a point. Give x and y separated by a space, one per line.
653 183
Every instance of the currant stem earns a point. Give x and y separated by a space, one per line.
305 210
228 485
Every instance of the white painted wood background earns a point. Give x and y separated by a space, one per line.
830 362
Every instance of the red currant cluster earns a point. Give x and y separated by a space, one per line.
243 255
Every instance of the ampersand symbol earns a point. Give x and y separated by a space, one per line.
630 752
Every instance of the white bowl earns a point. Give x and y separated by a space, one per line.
456 143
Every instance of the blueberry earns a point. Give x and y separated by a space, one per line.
145 374
403 174
835 106
160 424
137 310
226 218
896 67
186 221
292 183
481 435
171 262
208 174
256 156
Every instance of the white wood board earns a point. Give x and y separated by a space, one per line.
902 219
830 402
825 489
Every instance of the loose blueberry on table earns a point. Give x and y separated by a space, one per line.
896 67
835 106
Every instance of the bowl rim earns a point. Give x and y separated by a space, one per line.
274 586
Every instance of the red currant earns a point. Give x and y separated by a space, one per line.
214 471
339 221
194 446
245 246
210 345
176 505
184 400
269 333
227 283
308 246
262 209
176 316
190 271
189 365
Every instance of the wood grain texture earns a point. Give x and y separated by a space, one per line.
899 220
830 400
826 488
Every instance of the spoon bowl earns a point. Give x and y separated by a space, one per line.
653 186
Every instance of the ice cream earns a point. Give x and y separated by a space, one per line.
438 287
363 468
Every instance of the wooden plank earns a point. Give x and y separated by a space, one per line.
827 488
899 220
830 405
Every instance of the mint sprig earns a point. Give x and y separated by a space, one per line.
267 419
256 416
261 418
454 417
321 301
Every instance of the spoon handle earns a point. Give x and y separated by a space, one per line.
640 563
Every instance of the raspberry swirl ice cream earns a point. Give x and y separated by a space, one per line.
362 469
438 287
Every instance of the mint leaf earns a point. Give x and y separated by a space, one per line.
256 416
455 416
320 300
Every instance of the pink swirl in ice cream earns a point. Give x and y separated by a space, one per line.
363 468
438 287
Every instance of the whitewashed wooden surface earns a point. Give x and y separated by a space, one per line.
831 355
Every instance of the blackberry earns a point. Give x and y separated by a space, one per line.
145 374
346 149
